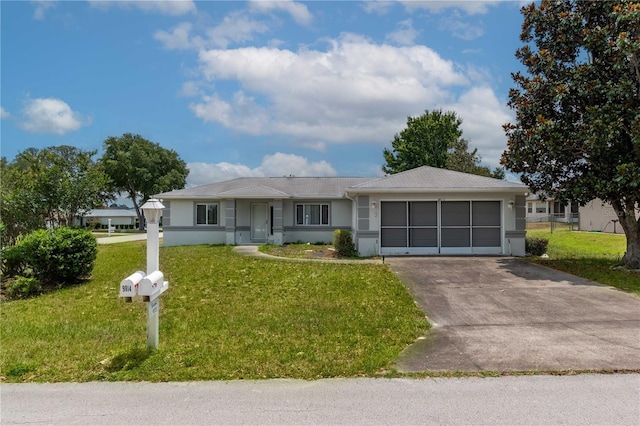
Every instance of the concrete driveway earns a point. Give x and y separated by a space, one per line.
505 314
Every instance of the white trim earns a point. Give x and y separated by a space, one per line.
440 249
252 232
206 204
306 219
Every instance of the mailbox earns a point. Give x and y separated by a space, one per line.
129 286
151 284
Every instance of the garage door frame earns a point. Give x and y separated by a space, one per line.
485 228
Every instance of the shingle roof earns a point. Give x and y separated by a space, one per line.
427 178
255 191
421 179
270 187
111 213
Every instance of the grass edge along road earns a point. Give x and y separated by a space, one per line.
224 317
591 255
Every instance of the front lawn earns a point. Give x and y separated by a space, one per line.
223 317
592 255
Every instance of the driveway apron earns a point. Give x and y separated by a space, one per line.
506 314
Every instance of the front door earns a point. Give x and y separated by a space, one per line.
259 222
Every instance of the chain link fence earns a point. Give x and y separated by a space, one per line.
555 222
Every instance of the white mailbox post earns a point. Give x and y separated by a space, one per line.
152 212
150 285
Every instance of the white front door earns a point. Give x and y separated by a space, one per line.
259 222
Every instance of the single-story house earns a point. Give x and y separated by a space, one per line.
102 216
600 216
418 212
543 209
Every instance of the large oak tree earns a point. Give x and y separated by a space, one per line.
141 168
577 129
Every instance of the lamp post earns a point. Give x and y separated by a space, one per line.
152 212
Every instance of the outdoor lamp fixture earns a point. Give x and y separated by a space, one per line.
374 204
152 210
510 204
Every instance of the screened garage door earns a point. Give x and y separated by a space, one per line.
440 227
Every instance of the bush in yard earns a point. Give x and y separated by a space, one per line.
13 261
22 288
60 255
343 243
536 246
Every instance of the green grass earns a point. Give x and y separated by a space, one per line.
595 256
299 251
223 317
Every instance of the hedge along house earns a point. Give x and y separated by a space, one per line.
424 211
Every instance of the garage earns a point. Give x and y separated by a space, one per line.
441 227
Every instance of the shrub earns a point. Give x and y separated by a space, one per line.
60 255
22 288
13 261
536 246
343 243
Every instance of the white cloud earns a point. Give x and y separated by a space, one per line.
50 115
298 11
379 7
179 37
4 113
190 89
461 28
277 164
470 7
280 164
355 91
236 27
405 35
205 173
483 115
164 7
41 7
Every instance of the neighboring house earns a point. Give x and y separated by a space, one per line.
600 216
421 211
102 216
541 209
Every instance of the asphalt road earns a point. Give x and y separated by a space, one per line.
526 400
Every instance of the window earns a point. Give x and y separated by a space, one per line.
312 214
207 214
529 207
541 208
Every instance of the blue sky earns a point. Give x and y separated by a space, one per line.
255 88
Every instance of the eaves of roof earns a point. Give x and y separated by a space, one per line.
504 190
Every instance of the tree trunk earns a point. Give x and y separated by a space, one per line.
627 215
138 213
